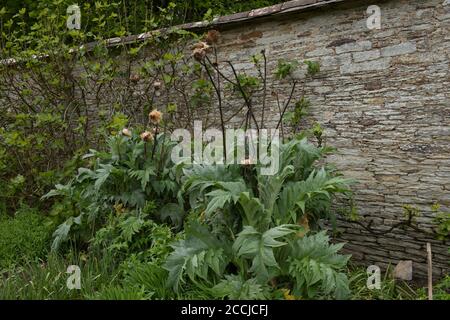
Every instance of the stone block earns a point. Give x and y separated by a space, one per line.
404 270
366 55
368 66
354 46
399 49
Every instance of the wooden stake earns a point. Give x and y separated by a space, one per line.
430 272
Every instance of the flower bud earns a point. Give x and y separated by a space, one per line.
146 136
126 132
155 116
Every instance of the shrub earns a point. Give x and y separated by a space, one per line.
258 226
130 234
23 238
135 179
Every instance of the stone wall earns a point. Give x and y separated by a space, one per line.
383 98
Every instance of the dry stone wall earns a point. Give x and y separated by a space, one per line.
383 98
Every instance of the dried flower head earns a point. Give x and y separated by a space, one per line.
146 136
199 54
212 37
155 116
157 85
126 132
200 50
200 45
135 78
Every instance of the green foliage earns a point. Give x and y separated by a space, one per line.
300 111
411 212
390 289
120 293
317 267
248 222
200 255
48 280
150 277
313 67
22 142
119 182
441 290
60 97
234 287
129 234
258 247
442 221
248 83
282 198
137 16
285 69
23 238
317 131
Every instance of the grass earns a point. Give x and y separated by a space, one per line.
390 289
48 280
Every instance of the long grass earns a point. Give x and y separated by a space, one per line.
48 280
390 288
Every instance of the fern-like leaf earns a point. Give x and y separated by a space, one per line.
234 287
258 247
315 265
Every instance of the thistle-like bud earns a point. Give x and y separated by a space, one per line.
135 78
200 50
126 132
146 136
155 116
157 85
212 37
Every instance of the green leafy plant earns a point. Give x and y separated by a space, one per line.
441 290
150 277
248 222
120 293
317 267
119 182
130 233
442 220
234 287
285 68
313 67
201 256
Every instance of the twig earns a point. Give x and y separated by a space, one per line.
287 104
219 99
244 95
263 52
430 272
